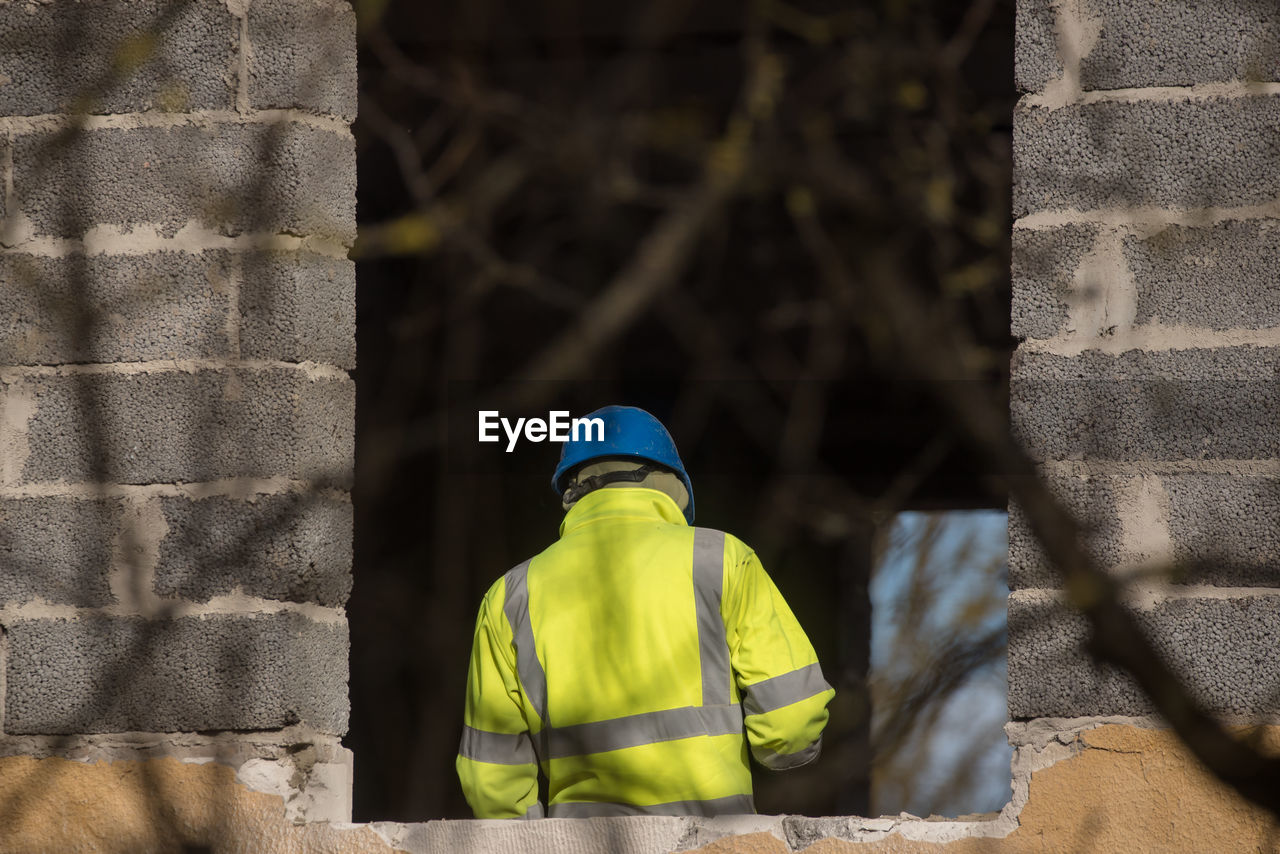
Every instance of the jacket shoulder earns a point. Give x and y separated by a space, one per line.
735 550
497 592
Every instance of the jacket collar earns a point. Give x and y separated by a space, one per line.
628 502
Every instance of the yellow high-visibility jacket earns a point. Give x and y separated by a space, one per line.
635 660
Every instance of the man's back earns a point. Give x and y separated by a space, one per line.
615 659
613 603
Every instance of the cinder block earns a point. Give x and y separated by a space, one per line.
110 308
1220 277
1044 263
54 54
1142 44
1221 403
1180 43
291 547
304 56
1226 528
1035 53
1223 649
1092 501
233 177
1179 153
298 306
169 426
57 550
116 674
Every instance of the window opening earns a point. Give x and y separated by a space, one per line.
511 161
938 664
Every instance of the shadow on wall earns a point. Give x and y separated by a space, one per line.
176 442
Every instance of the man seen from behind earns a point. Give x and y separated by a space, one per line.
637 659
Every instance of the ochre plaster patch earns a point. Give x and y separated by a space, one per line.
153 807
1128 789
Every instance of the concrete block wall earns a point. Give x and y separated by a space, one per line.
177 319
1146 294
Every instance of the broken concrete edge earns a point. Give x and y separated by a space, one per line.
310 772
81 804
663 834
1038 744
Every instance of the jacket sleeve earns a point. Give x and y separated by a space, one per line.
784 696
496 762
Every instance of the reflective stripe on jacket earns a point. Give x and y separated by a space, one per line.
636 660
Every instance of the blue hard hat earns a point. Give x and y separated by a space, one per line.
628 432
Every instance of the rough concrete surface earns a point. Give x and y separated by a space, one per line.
286 176
57 550
1045 262
304 56
630 835
175 425
1219 403
1222 529
1092 501
1227 527
298 306
1224 648
293 306
181 56
1219 277
113 674
109 308
1141 43
295 547
1035 56
1174 42
1173 153
1216 276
